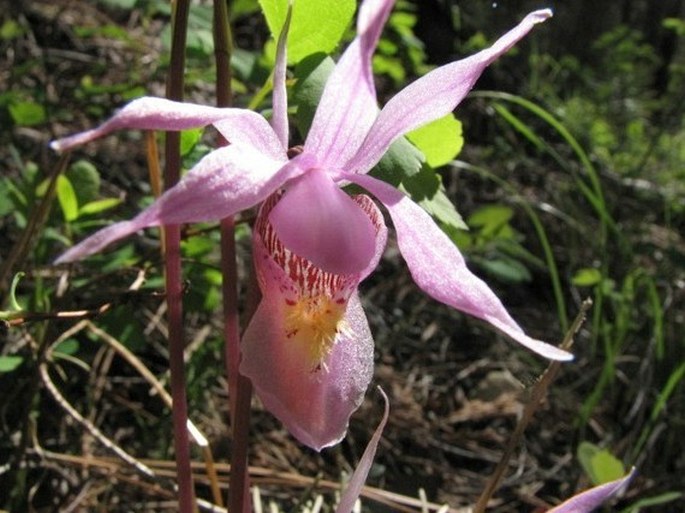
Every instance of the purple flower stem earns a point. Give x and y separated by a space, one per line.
239 388
174 292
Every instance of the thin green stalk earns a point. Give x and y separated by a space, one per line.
174 287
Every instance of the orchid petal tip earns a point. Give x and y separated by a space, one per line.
541 15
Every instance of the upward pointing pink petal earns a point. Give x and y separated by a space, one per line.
440 270
348 106
432 96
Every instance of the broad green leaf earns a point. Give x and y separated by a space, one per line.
97 206
425 187
440 141
402 161
586 277
9 363
312 74
607 467
316 26
67 198
27 113
85 179
599 464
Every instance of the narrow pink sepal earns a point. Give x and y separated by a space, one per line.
150 113
348 105
318 221
354 487
226 181
314 406
439 269
593 498
432 96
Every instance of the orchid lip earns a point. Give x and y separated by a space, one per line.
319 222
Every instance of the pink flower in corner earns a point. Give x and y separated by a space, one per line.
308 350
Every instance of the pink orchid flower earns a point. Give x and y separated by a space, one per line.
308 349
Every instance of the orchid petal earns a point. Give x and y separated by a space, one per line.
279 119
348 105
318 221
314 404
591 499
432 96
354 487
224 182
149 113
439 269
376 218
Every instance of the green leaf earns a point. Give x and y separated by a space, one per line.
312 74
85 179
425 188
505 269
97 206
27 113
14 304
9 363
518 125
401 162
599 464
67 198
6 202
440 141
69 346
490 219
189 138
316 26
10 30
657 500
586 277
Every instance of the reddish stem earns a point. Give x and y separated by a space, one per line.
172 173
239 388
